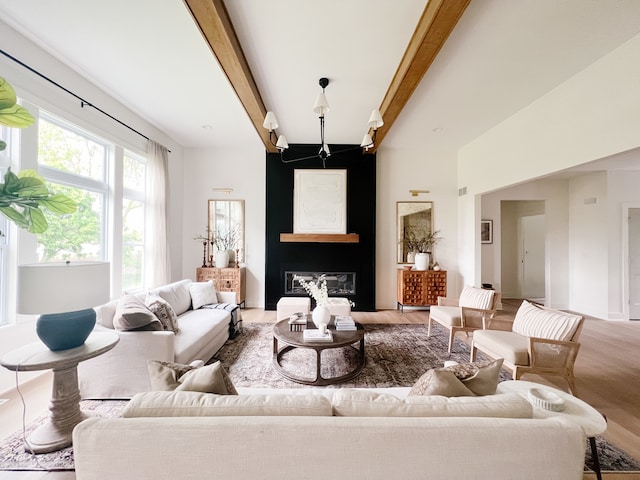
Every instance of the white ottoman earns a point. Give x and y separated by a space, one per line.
287 306
339 306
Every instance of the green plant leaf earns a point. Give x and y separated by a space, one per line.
16 116
3 145
17 217
59 203
7 94
11 182
38 222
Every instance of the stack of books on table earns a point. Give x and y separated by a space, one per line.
297 322
344 322
314 335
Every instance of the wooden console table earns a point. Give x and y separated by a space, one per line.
229 279
420 288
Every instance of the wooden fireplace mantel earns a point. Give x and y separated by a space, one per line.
319 238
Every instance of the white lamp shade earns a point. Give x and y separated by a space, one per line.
366 141
321 106
46 288
375 120
270 121
282 143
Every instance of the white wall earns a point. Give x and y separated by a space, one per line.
244 170
593 115
398 171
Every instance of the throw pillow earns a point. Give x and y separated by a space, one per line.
474 297
202 293
535 321
132 314
480 378
163 311
168 376
440 382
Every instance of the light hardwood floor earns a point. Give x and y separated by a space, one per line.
607 377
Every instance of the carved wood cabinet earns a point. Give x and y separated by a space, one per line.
421 287
225 280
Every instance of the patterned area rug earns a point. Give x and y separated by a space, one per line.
397 355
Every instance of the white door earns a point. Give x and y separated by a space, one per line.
634 263
532 257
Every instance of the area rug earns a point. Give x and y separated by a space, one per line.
397 355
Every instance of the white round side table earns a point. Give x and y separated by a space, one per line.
575 410
55 433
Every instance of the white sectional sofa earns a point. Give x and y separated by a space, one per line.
122 372
328 434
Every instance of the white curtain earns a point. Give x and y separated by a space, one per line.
157 260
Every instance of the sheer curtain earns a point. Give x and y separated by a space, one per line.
157 262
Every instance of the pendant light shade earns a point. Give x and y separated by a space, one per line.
270 121
322 105
375 120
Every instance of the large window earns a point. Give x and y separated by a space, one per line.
4 233
74 163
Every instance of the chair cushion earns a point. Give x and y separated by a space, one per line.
474 297
512 347
449 316
534 321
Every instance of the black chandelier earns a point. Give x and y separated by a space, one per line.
321 106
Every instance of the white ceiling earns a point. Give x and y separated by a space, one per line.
502 55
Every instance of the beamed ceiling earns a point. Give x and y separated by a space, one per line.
442 72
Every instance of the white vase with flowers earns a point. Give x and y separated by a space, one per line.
318 291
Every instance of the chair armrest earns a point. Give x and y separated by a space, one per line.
481 315
122 372
447 302
553 354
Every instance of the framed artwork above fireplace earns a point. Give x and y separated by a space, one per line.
320 201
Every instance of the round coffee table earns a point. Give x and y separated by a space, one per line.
341 339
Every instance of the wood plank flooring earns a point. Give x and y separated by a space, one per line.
607 377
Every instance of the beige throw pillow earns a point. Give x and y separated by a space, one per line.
440 382
168 376
132 314
466 379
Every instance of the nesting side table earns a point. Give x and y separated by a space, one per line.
55 433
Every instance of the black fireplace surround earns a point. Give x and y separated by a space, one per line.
354 259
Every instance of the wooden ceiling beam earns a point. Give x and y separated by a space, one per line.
436 23
213 20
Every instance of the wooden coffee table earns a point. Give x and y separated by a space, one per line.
341 339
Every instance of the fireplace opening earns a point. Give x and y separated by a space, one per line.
338 283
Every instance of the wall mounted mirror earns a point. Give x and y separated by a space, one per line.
226 227
414 227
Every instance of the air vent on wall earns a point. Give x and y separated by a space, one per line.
590 200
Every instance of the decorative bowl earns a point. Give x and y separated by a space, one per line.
546 399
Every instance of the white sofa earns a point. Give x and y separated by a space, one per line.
328 433
122 372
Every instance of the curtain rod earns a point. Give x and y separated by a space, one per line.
83 102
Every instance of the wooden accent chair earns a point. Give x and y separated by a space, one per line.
542 341
472 311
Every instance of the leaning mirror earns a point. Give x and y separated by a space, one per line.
226 228
414 227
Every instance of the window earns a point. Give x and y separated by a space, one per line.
133 221
4 234
74 163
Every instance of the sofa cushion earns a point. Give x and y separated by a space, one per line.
132 314
512 347
189 404
534 321
198 328
364 403
163 311
474 297
168 376
177 294
202 293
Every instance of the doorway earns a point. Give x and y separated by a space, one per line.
531 242
633 248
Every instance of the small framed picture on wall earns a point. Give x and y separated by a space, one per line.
486 231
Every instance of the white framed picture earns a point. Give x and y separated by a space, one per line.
320 201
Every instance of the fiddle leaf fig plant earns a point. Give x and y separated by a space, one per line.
23 196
